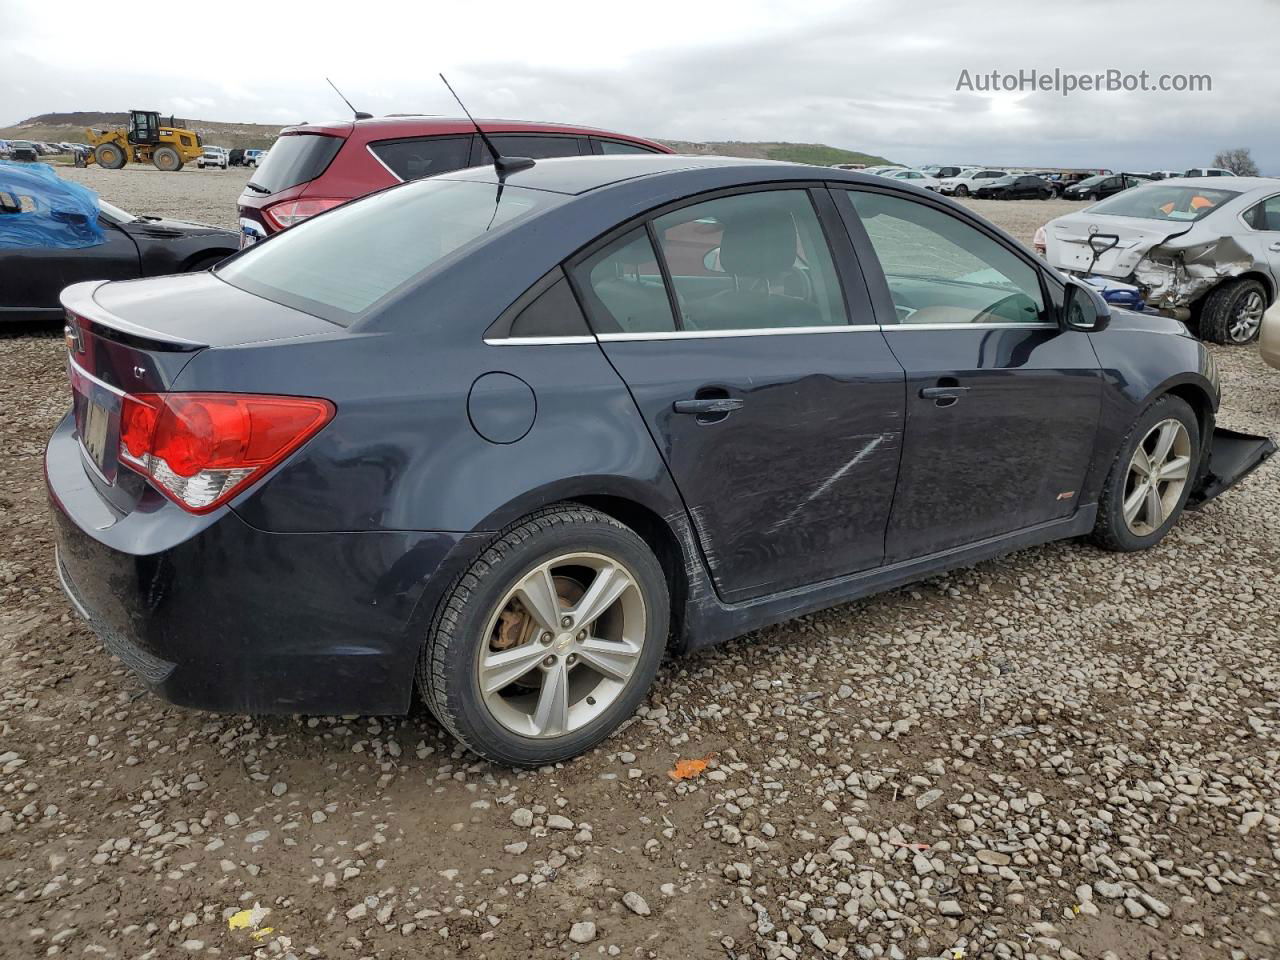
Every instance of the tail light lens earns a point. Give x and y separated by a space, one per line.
202 449
286 214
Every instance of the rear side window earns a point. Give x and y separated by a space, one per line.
536 147
622 287
296 158
342 262
609 147
1264 215
751 261
420 157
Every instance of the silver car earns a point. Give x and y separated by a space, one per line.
1205 249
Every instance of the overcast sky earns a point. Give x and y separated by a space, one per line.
875 76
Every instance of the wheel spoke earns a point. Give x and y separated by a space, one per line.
616 660
1155 507
1175 469
1141 463
1133 503
537 592
610 583
1164 443
551 716
502 667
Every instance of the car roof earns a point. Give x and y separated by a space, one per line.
574 176
1239 184
390 128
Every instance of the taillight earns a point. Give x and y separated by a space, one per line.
289 212
202 449
1040 241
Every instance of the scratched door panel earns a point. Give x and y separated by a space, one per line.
795 486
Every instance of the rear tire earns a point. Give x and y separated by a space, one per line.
1133 514
109 156
166 159
484 629
962 191
1231 313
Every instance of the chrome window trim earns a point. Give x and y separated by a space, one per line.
719 334
535 341
1011 325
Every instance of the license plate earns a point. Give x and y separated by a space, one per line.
247 239
97 416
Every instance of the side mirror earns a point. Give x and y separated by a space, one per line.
1083 308
711 261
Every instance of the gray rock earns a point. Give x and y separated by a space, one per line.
584 931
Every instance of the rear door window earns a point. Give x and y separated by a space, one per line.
537 146
751 261
294 159
418 157
610 147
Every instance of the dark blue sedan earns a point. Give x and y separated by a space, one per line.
508 438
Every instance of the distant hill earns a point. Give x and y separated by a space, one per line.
817 153
57 127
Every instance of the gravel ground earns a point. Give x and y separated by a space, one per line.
1062 753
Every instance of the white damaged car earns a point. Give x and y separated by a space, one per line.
1205 250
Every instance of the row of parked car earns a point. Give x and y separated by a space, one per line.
34 150
222 158
999 184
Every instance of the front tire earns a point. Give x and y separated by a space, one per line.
1150 478
109 156
166 159
1232 312
549 640
962 191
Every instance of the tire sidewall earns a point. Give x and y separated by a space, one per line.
461 694
1111 517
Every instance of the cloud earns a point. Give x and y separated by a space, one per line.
859 75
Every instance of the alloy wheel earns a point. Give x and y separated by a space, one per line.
1247 318
1158 472
561 645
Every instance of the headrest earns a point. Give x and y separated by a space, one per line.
761 243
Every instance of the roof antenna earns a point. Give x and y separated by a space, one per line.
503 165
360 114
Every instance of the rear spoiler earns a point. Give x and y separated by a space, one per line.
78 299
1232 457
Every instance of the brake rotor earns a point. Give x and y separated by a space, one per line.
516 625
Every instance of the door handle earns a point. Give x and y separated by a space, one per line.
709 405
1275 246
942 394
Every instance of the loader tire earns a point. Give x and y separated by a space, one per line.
166 159
109 156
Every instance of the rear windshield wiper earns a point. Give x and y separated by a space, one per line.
254 186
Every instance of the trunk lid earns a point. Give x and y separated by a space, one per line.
1120 242
136 337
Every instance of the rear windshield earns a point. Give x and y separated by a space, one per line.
340 263
1164 201
295 159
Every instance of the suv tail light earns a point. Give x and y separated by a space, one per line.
289 212
201 449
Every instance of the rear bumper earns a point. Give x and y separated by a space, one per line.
1232 457
219 615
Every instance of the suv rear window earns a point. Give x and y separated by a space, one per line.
295 159
342 262
420 157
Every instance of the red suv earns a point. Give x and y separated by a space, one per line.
313 167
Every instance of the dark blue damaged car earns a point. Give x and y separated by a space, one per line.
509 438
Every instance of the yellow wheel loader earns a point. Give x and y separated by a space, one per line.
143 141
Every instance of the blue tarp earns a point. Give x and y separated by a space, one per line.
39 209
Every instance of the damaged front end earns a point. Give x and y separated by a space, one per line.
1181 270
1231 457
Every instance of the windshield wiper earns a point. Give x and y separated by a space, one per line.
253 186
